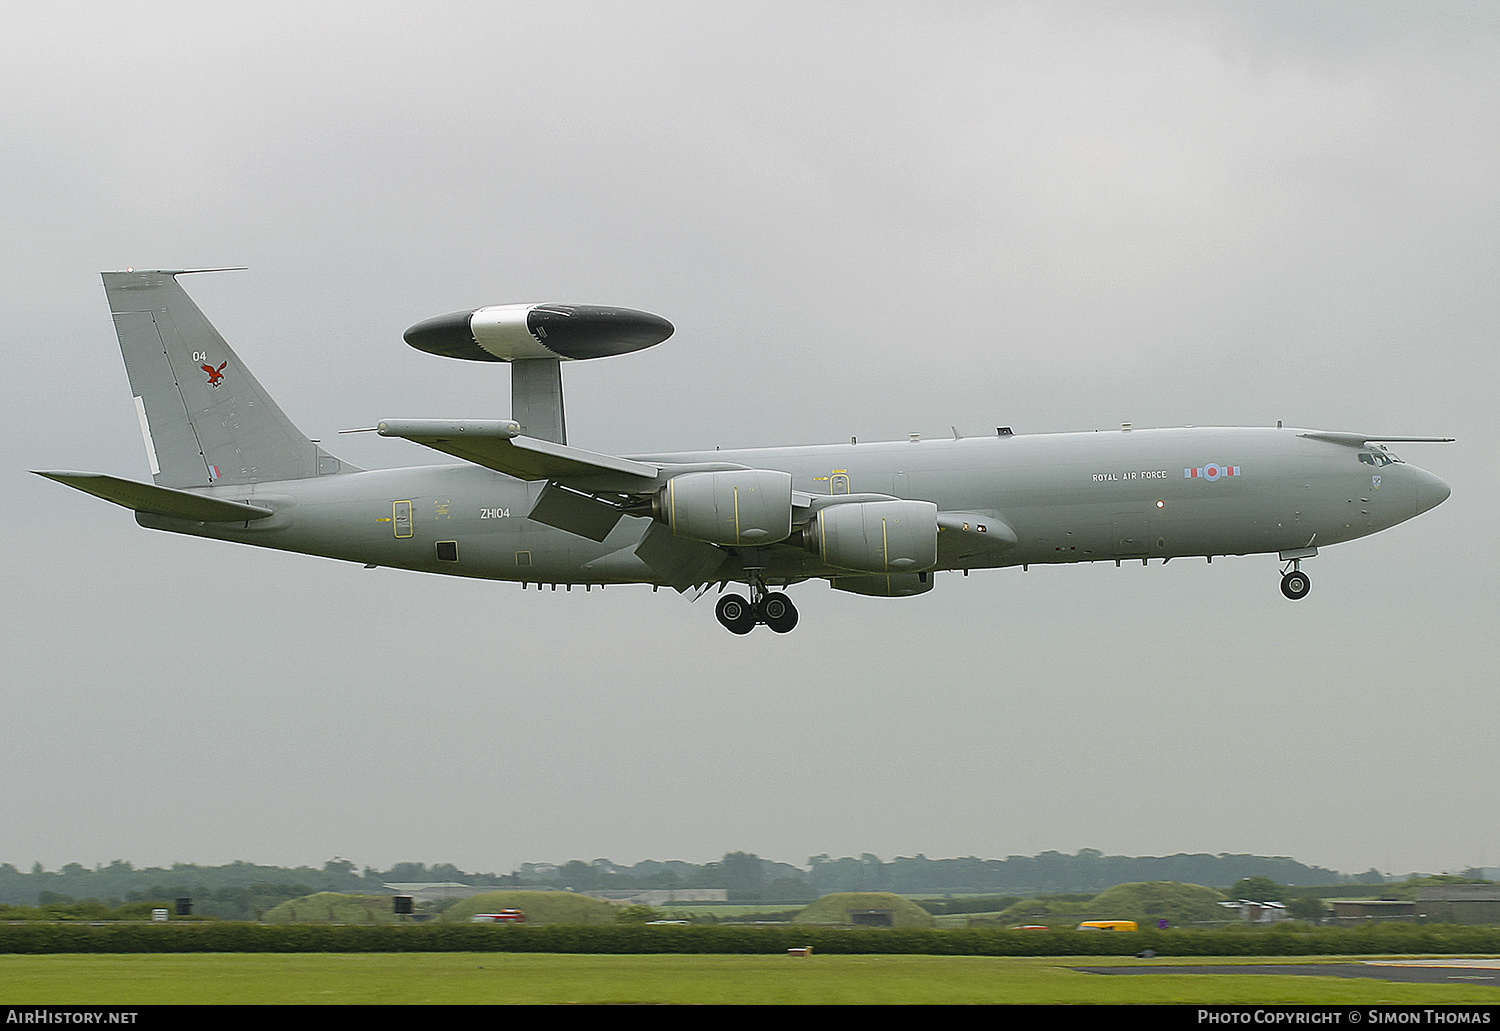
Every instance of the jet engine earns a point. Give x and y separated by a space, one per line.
876 536
737 507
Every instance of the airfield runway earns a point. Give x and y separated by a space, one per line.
1447 970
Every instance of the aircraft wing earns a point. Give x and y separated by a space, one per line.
1366 439
162 501
587 493
500 445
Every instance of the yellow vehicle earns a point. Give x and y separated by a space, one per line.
1108 925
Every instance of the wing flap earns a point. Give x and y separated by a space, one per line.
565 509
662 558
682 563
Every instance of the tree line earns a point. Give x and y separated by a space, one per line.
239 890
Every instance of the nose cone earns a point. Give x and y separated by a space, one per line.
1431 490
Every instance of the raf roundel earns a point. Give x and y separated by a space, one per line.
1211 472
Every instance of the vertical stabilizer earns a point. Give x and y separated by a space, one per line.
204 417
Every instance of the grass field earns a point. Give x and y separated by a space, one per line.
488 978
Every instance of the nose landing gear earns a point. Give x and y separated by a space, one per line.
1295 584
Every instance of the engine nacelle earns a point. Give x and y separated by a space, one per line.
897 585
876 536
740 507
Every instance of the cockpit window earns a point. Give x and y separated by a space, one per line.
1378 458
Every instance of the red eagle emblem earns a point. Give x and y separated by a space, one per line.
214 375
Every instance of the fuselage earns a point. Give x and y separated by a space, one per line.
1068 497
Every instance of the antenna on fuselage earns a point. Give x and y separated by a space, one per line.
536 339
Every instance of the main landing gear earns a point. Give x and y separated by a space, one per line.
1295 583
774 609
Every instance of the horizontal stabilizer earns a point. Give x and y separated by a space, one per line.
499 445
162 501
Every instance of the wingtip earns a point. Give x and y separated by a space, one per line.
128 270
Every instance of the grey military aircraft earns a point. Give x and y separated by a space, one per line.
872 518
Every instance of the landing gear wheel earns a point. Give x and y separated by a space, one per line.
778 612
736 614
1295 585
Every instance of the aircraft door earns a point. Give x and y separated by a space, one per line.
401 518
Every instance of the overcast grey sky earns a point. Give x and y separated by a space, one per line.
864 219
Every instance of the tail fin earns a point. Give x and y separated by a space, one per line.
205 418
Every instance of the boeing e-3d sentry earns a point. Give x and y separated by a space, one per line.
873 518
